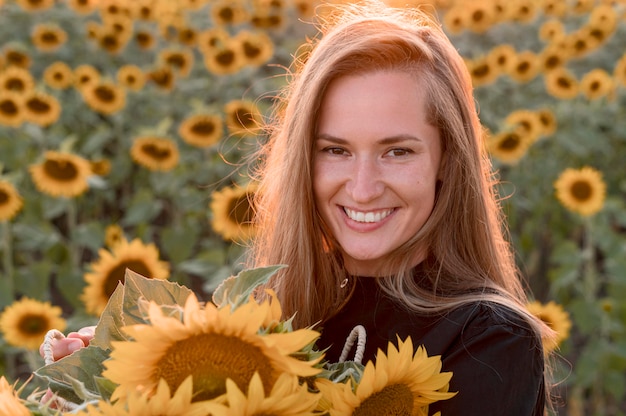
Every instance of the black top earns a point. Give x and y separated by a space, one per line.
496 359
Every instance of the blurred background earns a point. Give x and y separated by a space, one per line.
126 128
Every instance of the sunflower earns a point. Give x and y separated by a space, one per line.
402 382
211 345
16 79
144 39
201 130
581 190
232 211
100 167
603 16
287 397
480 16
85 74
228 12
41 108
502 57
555 8
162 77
242 117
58 75
113 235
508 146
161 403
596 84
524 11
10 402
257 47
188 36
526 66
155 153
25 323
180 60
582 6
11 109
454 20
561 83
103 96
61 174
265 18
83 6
528 123
553 315
551 30
548 121
553 57
48 37
131 77
224 60
212 39
482 71
109 40
35 5
17 57
110 269
10 201
143 10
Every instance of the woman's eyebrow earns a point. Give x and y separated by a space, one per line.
398 138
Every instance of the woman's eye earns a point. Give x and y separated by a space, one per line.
399 152
335 150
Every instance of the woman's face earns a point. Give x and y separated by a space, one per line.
376 165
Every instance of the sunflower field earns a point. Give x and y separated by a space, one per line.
126 129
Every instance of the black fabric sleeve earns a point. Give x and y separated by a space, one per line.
497 370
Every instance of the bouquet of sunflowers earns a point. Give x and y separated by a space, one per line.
158 350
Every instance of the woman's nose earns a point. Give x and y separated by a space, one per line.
365 183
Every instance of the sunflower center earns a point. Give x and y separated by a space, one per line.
523 67
240 211
33 324
61 170
118 273
155 151
39 106
4 197
581 190
510 142
50 38
225 58
481 70
546 320
243 117
564 83
203 128
211 359
226 14
395 399
161 77
594 86
9 107
250 50
15 84
105 94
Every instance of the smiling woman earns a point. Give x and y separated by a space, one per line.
375 190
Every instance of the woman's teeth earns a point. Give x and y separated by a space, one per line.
372 216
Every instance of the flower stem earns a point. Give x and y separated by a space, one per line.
590 284
71 231
7 258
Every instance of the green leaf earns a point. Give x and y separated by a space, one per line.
162 292
73 377
109 327
178 243
105 387
236 290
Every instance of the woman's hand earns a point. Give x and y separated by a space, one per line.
74 341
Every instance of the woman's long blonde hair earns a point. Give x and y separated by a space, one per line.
469 258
